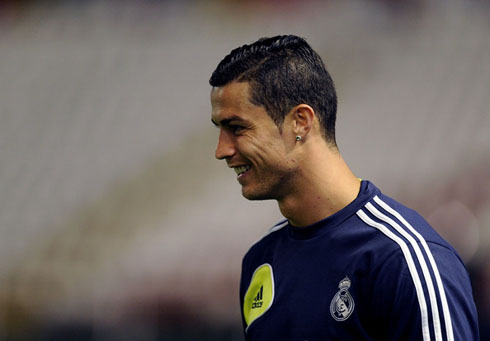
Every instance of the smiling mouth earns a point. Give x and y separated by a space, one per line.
241 170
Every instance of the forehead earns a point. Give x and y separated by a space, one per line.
232 100
231 93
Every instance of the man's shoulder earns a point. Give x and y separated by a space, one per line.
403 237
387 214
267 239
270 236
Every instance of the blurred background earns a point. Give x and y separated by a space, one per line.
116 221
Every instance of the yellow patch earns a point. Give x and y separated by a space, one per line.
260 294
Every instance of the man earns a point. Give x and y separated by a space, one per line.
348 263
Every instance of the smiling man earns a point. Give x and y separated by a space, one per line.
348 262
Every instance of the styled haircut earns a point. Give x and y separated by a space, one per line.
283 71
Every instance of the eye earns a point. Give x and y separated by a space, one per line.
237 129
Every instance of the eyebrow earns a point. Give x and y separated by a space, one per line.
226 121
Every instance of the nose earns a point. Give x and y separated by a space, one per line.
226 147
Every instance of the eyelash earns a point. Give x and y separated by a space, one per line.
236 129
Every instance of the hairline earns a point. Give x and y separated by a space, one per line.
241 79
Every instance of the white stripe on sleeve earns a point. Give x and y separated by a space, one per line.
411 267
440 287
423 266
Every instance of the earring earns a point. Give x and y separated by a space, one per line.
298 138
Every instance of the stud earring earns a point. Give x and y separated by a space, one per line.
298 138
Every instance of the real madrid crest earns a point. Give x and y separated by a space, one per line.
342 304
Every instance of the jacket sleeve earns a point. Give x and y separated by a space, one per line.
459 293
409 304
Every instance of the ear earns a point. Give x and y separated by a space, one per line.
302 117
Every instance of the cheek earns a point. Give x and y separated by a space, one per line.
251 146
273 153
264 150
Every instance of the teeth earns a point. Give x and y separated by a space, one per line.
242 169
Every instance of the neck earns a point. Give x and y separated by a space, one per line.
324 186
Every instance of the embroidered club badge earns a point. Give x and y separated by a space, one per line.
342 304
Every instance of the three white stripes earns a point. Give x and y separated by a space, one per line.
412 268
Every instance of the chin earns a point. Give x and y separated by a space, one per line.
255 195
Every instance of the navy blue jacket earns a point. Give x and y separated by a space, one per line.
375 270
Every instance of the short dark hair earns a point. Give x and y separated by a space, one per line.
283 71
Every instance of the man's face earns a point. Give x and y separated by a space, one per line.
252 143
